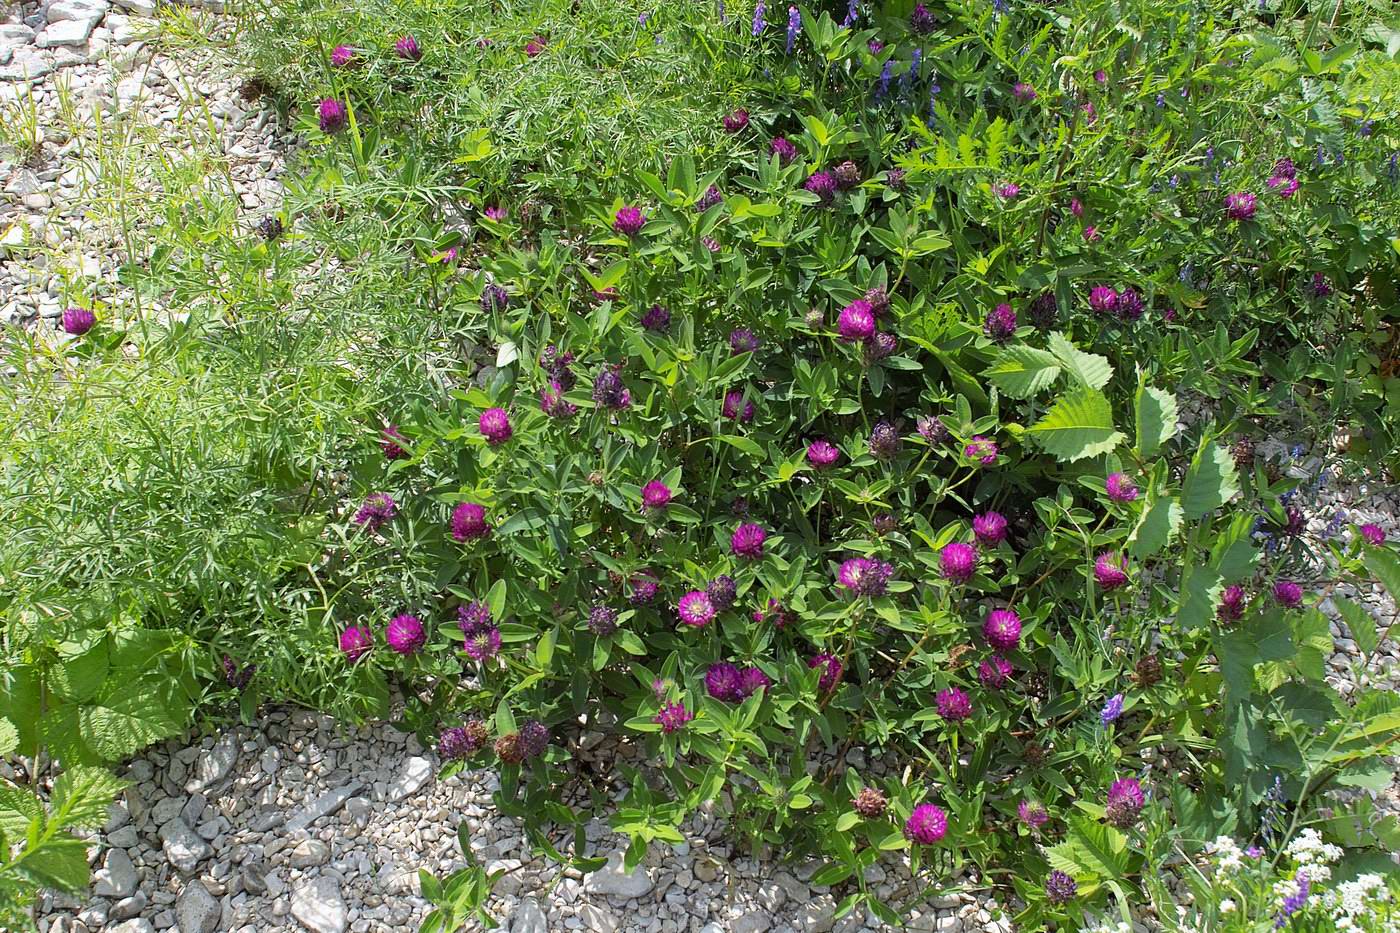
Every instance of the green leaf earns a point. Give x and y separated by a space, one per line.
1200 593
60 862
1021 371
18 808
743 443
1156 419
1361 623
9 737
125 718
1089 369
81 795
1079 425
1210 482
1155 528
77 678
1103 848
1384 566
496 600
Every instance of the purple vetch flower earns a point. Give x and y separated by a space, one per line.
78 321
495 213
1288 594
1002 629
1294 902
696 609
884 441
644 587
494 298
673 717
957 561
882 84
710 243
1130 307
857 321
1320 287
736 407
864 576
823 185
536 46
722 592
981 449
377 509
1111 571
1231 606
389 443
332 115
629 220
602 620
994 672
1060 888
1112 709
469 522
783 149
610 391
743 340
407 48
405 634
822 454
655 495
1120 488
1023 91
355 642
1091 233
1372 534
921 20
794 27
1125 802
1044 310
1103 299
747 541
341 56
953 704
736 121
831 671
931 428
1006 190
989 527
928 823
494 424
238 677
1032 815
709 199
759 21
553 403
1240 206
1000 324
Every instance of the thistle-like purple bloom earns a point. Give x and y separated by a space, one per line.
1000 324
644 588
1288 594
1231 606
495 426
928 823
957 561
342 55
783 149
332 114
747 541
1060 888
377 509
458 743
736 407
672 717
355 642
857 321
389 443
1241 205
656 495
743 340
864 576
407 48
602 620
894 178
609 389
1373 534
884 441
1032 815
823 185
1112 709
752 680
534 738
469 522
722 681
994 672
921 20
494 298
847 175
1103 299
953 704
831 671
981 449
657 319
1111 571
1125 802
1120 488
722 592
696 609
405 634
1023 91
629 220
822 454
990 528
736 121
78 321
1002 629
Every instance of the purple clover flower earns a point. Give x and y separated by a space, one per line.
407 48
355 642
494 424
629 220
657 319
747 541
831 671
957 561
990 528
1002 629
377 509
928 823
1000 324
1111 571
696 609
1120 488
673 717
332 115
1241 205
994 672
469 522
954 705
736 407
405 634
1125 802
857 321
822 454
982 450
864 576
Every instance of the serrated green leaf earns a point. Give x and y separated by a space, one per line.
1079 425
18 808
1156 419
125 717
9 737
1159 522
81 795
78 677
1021 371
1200 593
1088 369
1103 847
1384 567
1210 482
1360 622
60 863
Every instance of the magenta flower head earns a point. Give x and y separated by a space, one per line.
332 115
928 823
921 20
994 672
1002 629
1000 324
735 408
696 609
389 443
405 634
657 319
857 321
494 298
864 576
990 528
602 620
610 391
1373 534
495 213
355 642
377 509
534 738
1023 91
458 743
982 450
1130 306
1231 606
709 199
1288 594
1006 190
1120 487
954 704
474 618
783 148
823 185
1060 888
831 671
656 495
673 717
931 428
752 680
747 541
1111 571
1032 815
78 321
407 48
629 220
1102 299
957 561
1240 206
495 426
342 55
1076 207
469 522
743 340
535 46
822 454
1125 802
1284 187
722 681
483 645
553 403
736 121
780 615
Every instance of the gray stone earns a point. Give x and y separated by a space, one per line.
142 7
324 805
598 919
310 852
254 876
612 881
415 772
214 764
70 10
529 918
70 32
166 809
124 838
318 906
133 926
27 64
751 923
128 907
117 877
196 910
183 849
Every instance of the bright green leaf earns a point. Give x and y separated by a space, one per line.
1079 425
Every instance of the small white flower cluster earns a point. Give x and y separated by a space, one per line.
1313 855
1228 857
1353 902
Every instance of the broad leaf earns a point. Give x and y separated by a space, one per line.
1159 522
9 737
81 795
1089 369
1385 567
1210 482
1079 425
1021 371
1156 419
1360 622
